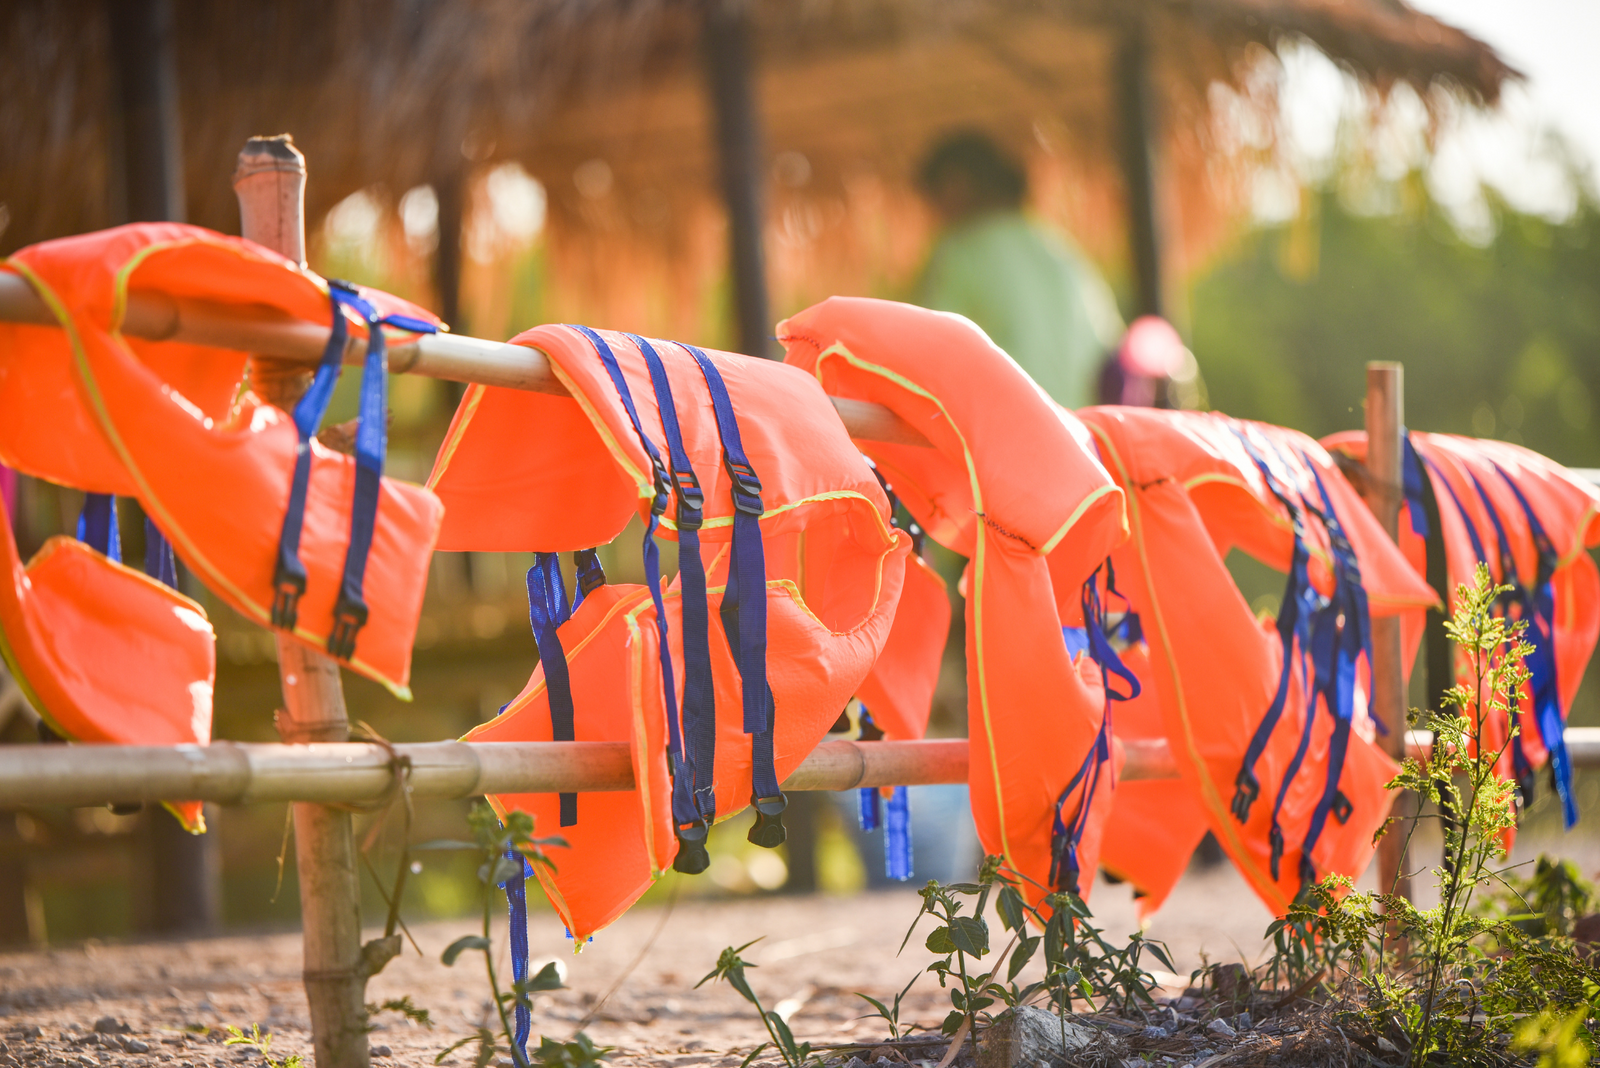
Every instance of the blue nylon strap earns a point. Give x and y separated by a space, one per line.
897 835
372 439
869 808
699 687
1538 608
1065 871
1520 597
289 574
516 889
97 525
1411 483
682 805
547 610
1347 611
1299 605
159 561
744 601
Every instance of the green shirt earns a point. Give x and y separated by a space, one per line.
1038 299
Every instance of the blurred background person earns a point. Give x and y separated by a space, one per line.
1025 285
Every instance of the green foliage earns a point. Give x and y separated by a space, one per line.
1498 340
1450 983
730 967
501 847
580 1052
404 1007
262 1044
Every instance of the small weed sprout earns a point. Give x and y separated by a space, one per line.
502 848
262 1044
404 1007
731 966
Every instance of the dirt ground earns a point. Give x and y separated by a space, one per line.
816 952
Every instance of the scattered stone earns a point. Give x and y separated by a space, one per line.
134 1045
1243 1021
1384 1045
381 1051
1026 1034
1157 1031
1221 1029
110 1025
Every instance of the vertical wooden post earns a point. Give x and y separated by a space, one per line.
270 183
1385 426
727 46
1136 115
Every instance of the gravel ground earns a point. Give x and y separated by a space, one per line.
815 953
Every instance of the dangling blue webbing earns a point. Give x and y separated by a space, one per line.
1538 608
547 610
1299 606
744 611
699 686
1336 656
97 525
1520 765
516 888
1411 485
1065 871
691 858
159 561
894 818
289 574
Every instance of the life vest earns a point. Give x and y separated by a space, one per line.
104 653
1529 519
1267 720
285 531
789 575
1011 483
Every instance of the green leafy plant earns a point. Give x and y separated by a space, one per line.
1450 984
501 847
731 967
262 1044
1559 1039
578 1052
889 1013
404 1007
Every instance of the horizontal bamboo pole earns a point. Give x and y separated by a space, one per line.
355 772
264 331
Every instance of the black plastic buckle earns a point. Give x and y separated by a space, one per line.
692 858
1245 791
663 489
746 486
1341 808
287 589
767 831
1276 838
348 619
691 501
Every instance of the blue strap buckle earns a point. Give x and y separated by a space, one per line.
692 858
288 585
691 501
348 619
663 486
1246 788
768 831
746 486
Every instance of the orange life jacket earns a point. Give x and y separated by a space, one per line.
1530 520
87 406
746 465
1267 721
1011 483
104 653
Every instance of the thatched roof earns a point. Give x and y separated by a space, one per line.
850 91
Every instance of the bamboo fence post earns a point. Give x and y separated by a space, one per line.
270 184
1385 419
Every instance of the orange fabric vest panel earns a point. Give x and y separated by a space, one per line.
158 421
1194 492
105 653
523 471
1467 476
1012 484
